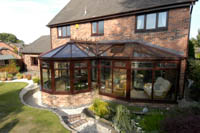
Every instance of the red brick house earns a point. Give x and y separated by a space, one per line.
127 49
32 51
9 52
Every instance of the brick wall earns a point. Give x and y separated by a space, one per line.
124 28
27 62
10 50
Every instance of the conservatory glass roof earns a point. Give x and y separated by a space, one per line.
118 49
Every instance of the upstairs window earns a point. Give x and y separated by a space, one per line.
152 22
64 31
98 28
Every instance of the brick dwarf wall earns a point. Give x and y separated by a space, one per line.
176 37
27 62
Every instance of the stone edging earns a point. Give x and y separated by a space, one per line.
30 87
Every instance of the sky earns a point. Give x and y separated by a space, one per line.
27 19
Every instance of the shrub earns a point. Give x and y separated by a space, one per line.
191 53
100 108
36 80
10 76
151 122
19 75
182 120
122 119
193 73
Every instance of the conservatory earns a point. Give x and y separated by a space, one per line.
127 70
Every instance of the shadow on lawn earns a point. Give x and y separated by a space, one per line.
10 105
9 126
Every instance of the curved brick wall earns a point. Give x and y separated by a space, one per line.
68 101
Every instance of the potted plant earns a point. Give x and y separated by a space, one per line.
19 76
36 80
28 76
10 77
24 76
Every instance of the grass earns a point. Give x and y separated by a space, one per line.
18 118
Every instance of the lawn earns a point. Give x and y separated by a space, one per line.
18 118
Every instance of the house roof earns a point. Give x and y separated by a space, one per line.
7 57
39 46
77 10
111 49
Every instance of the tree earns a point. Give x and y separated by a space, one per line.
196 41
9 38
191 52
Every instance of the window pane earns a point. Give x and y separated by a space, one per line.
94 27
81 79
64 31
162 19
61 65
142 65
167 65
106 80
101 27
151 21
141 84
165 84
140 22
120 64
80 65
62 80
45 64
46 76
106 63
68 31
59 31
119 82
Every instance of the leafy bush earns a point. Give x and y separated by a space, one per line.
10 76
19 75
193 73
151 122
182 120
36 80
122 120
100 108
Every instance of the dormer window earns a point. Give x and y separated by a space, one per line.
152 22
64 31
98 28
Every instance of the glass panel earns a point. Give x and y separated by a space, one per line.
140 22
101 27
77 52
141 84
167 65
162 19
46 75
106 80
80 64
165 84
106 63
94 63
62 80
94 27
120 64
59 31
151 21
64 31
61 65
142 65
81 79
68 31
53 52
119 82
45 64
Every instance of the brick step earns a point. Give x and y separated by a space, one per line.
78 123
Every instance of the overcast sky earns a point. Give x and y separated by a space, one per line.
27 19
